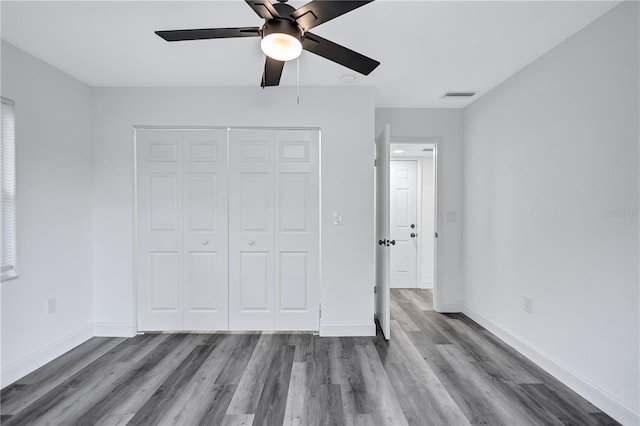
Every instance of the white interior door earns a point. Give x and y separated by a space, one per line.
182 230
228 248
403 223
273 230
204 195
297 245
160 263
251 230
383 144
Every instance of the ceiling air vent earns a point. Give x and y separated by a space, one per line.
458 95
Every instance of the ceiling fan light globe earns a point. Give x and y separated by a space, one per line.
281 46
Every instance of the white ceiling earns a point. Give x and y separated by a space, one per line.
425 47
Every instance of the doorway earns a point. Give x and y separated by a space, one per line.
412 215
410 151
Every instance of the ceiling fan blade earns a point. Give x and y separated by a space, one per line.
272 72
320 11
208 33
339 54
263 8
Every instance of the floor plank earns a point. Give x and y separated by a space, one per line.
384 402
193 404
235 366
245 400
273 399
161 400
130 392
20 394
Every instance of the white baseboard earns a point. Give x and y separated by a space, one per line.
450 307
426 284
591 392
106 329
347 330
42 356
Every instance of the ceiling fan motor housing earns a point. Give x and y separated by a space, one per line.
282 26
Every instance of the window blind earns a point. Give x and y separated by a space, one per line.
8 255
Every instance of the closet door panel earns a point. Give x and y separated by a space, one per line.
251 230
255 269
228 240
293 289
159 210
200 273
164 280
204 193
296 240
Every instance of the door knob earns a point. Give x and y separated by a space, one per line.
413 235
251 242
391 242
381 242
205 242
413 225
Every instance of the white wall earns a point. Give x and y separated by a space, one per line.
547 155
426 231
54 203
445 125
346 116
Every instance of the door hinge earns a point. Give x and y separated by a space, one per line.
375 289
436 235
375 163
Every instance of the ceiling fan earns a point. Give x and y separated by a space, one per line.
285 34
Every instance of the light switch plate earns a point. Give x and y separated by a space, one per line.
337 218
452 217
51 305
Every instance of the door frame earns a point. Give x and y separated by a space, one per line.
134 130
438 285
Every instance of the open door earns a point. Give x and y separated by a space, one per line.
383 244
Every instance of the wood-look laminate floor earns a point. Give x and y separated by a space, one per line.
436 370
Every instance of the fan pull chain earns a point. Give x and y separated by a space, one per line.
298 79
264 80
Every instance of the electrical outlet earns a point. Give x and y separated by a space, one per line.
528 304
51 305
452 216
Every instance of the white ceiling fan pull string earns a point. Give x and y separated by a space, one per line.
264 72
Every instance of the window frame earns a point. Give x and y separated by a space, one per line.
9 272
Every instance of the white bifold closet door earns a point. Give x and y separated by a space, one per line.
182 230
274 230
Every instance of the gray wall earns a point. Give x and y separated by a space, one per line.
345 115
548 155
54 204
